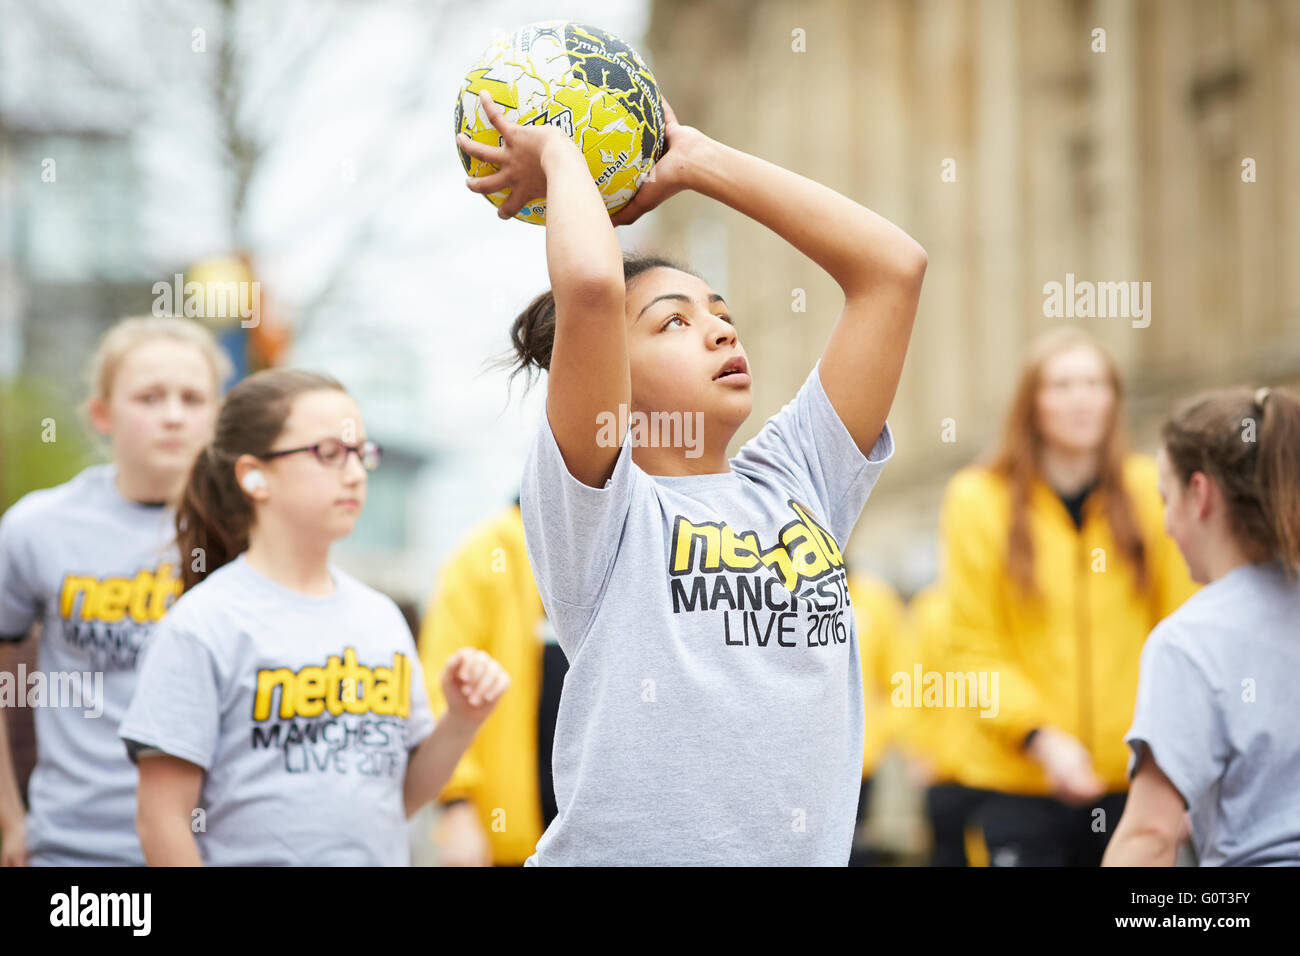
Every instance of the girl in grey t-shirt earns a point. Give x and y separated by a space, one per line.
94 561
1214 730
281 715
712 712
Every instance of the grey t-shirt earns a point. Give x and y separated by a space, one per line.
99 571
1218 708
300 709
712 712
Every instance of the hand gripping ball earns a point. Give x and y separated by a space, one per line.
586 81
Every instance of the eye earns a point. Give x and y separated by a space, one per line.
329 450
671 320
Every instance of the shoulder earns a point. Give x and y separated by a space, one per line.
370 601
975 485
35 508
1196 631
206 603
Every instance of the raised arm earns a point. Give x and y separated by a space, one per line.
588 371
878 266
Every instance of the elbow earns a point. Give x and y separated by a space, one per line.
594 290
911 261
1160 835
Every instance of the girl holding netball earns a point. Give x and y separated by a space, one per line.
94 560
713 709
281 715
1214 732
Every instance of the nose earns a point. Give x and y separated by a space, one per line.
353 471
173 409
724 334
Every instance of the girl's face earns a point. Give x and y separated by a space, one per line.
1075 400
680 341
161 408
306 495
1181 510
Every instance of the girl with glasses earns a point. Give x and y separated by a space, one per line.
282 716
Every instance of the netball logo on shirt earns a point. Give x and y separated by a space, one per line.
805 552
342 717
341 686
768 593
109 617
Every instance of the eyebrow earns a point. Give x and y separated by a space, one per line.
679 297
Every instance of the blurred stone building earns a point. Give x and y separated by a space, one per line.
1018 144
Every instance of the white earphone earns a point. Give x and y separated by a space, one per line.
253 481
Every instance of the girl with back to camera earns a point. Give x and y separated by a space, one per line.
94 559
1214 729
281 716
713 710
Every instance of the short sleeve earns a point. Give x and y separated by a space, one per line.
177 703
20 598
807 443
1177 718
572 531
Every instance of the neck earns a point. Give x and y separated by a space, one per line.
1067 470
697 447
1224 555
672 462
144 488
290 562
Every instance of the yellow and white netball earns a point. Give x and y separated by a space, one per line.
586 81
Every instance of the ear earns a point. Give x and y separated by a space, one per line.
100 419
1203 491
245 464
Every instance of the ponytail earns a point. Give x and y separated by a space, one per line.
1249 443
215 517
212 519
1277 471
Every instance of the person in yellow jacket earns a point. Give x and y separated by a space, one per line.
937 741
500 798
878 612
1057 566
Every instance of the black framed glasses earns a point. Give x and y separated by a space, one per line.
333 453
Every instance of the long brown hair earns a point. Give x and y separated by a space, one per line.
214 516
1248 442
1018 459
533 331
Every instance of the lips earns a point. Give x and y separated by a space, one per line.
734 366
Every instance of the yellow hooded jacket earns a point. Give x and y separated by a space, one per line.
486 598
878 613
940 736
1070 657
